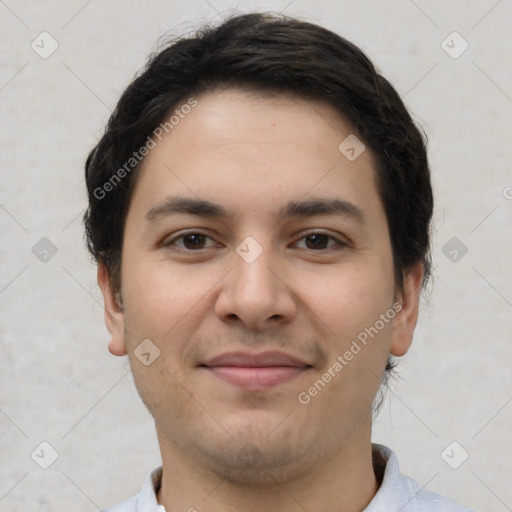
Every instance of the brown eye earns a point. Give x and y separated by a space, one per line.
320 241
194 241
189 241
317 241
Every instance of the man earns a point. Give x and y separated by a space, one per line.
259 208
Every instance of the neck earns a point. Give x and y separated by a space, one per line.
346 481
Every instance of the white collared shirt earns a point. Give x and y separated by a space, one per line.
397 493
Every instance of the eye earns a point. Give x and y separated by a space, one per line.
318 240
195 241
192 240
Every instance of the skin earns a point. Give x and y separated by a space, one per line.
253 155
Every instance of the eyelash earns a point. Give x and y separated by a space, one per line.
339 243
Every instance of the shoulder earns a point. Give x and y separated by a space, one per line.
423 500
400 492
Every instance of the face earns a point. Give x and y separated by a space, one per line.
257 292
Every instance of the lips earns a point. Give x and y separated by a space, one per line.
255 360
255 371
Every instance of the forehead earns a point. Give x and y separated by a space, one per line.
256 152
258 118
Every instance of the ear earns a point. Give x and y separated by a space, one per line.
406 318
114 316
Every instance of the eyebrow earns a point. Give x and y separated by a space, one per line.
303 208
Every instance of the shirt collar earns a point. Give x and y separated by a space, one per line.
389 496
147 501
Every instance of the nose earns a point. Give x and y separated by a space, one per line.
256 294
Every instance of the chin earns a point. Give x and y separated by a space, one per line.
258 468
250 456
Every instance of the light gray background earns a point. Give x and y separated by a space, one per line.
59 384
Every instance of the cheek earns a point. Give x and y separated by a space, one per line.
353 302
159 296
349 298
